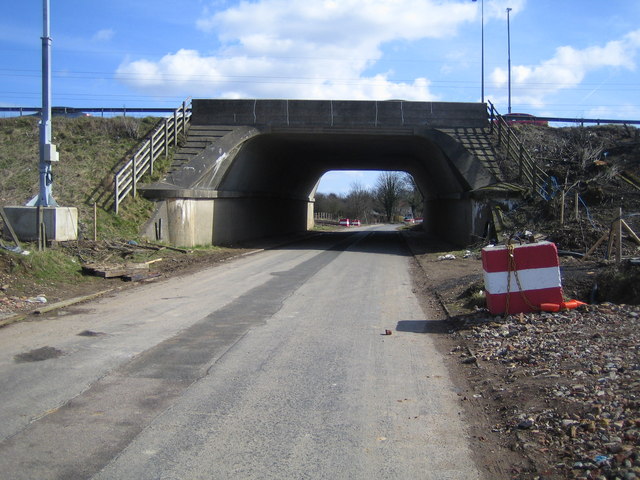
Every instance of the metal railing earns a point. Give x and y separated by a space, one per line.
141 162
86 111
529 173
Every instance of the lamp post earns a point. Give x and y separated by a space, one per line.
48 151
509 54
482 48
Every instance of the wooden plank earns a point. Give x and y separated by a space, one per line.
618 225
139 277
72 301
9 227
114 270
596 245
176 249
630 231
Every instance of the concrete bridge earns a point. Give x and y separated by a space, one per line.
254 165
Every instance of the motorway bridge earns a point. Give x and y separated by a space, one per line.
254 165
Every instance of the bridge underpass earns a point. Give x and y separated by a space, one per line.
255 165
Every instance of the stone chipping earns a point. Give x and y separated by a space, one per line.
565 387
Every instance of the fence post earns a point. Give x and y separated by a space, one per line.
619 236
184 116
116 192
134 178
166 137
151 154
175 128
491 119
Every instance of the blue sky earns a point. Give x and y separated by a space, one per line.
570 58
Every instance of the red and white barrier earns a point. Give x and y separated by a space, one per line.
535 267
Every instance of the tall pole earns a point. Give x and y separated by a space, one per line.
509 54
482 47
482 21
48 152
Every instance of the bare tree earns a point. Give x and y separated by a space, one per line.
413 195
331 203
388 192
359 202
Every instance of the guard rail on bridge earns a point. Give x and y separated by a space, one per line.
129 174
78 111
529 173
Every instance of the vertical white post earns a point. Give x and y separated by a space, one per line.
47 151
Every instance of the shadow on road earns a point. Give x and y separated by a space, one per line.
423 326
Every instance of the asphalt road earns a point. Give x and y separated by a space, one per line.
271 366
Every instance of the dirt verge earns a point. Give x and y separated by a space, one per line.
547 395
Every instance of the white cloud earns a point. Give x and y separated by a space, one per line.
302 49
103 35
568 68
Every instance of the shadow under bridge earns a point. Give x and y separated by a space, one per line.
254 165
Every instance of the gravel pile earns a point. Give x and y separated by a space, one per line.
562 387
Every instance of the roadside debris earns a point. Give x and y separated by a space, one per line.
114 270
568 383
38 299
130 272
16 249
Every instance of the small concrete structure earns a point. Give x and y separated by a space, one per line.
60 223
259 177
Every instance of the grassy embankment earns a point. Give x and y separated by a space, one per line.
90 150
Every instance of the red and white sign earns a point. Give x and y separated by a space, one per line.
344 222
529 280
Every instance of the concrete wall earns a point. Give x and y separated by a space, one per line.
450 219
310 215
189 221
338 113
240 219
61 223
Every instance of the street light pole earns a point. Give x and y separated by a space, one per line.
48 151
482 21
509 54
482 47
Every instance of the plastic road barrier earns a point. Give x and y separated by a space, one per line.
520 278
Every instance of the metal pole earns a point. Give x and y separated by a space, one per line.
509 53
482 48
46 179
482 74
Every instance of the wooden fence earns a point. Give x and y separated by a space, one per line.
529 173
158 142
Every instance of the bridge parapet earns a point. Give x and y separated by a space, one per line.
339 113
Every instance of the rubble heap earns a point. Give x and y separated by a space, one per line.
565 387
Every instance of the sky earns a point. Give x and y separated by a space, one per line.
569 58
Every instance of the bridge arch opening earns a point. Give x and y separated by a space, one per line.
367 195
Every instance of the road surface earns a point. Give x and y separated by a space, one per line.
271 366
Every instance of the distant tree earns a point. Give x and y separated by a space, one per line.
412 195
388 192
359 202
330 203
